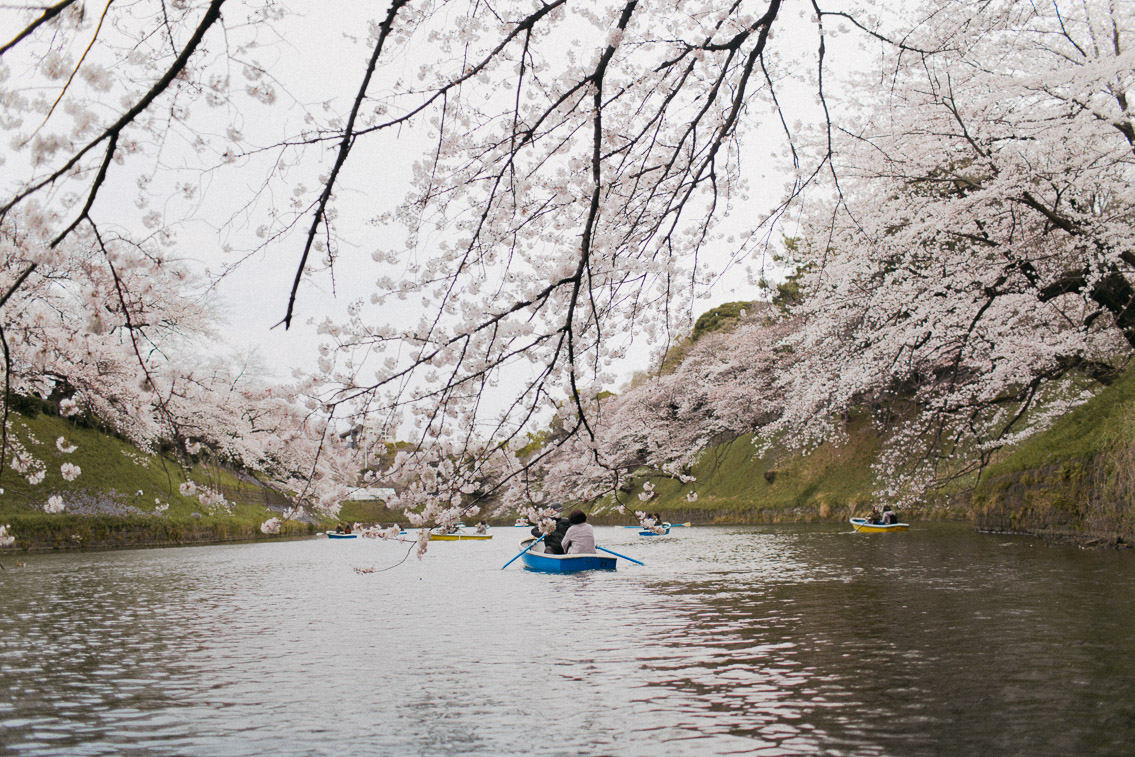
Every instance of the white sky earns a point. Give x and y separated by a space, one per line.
254 296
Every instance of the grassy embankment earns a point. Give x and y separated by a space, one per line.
737 485
1075 480
117 500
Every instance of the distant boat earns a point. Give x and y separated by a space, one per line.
862 526
648 532
667 526
333 535
520 523
458 536
536 559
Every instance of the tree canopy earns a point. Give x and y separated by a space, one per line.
522 190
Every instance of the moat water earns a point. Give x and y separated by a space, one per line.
776 640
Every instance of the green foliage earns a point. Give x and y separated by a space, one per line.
31 406
735 484
721 318
789 292
1090 429
383 459
536 441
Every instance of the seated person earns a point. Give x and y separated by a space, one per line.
482 527
889 517
580 537
553 542
873 517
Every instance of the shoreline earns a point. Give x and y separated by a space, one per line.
72 538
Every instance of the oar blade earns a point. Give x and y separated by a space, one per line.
616 554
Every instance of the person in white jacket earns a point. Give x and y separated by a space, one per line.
580 536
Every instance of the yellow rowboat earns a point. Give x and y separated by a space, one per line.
459 536
862 526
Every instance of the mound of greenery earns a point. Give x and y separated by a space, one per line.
1077 478
737 484
123 495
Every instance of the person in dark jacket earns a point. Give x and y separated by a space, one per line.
553 542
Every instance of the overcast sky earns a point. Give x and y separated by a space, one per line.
314 59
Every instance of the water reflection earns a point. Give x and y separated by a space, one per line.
779 640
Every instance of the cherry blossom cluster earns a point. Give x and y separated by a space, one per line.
972 276
113 331
567 177
727 385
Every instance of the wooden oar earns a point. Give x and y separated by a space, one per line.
530 546
616 554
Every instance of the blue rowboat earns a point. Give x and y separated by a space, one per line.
647 532
544 563
332 535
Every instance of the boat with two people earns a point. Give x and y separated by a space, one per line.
459 533
569 547
342 531
862 526
879 522
535 558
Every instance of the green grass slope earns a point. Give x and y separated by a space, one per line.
1093 428
1075 479
735 484
123 496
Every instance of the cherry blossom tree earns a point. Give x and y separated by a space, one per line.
112 328
727 385
538 186
571 166
977 256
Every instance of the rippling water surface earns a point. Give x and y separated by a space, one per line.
765 640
